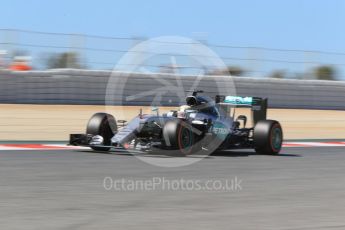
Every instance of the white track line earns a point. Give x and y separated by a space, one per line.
66 146
314 144
38 147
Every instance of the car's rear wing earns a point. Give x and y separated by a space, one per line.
258 105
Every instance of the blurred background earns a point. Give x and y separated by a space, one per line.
35 50
266 39
56 58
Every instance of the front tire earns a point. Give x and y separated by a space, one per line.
178 135
102 124
268 137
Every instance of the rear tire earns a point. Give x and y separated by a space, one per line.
102 124
268 137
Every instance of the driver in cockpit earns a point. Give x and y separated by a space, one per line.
181 113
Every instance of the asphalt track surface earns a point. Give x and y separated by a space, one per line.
303 188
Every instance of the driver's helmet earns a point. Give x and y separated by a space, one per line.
181 113
184 108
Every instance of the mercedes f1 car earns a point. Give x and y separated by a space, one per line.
203 125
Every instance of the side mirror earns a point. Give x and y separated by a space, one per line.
155 109
121 122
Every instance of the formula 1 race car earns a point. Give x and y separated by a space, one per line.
203 125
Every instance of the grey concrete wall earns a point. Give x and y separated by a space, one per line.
89 87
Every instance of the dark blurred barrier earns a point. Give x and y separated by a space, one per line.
88 87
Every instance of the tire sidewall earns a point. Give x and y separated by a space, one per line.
264 134
102 124
174 131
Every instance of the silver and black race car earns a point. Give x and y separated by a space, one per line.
203 126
